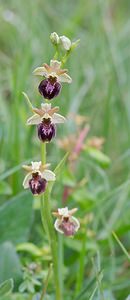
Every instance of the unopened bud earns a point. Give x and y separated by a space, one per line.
54 38
65 42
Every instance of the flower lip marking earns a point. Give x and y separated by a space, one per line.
37 177
65 222
46 130
49 88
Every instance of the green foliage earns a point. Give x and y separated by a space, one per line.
10 266
6 288
15 219
98 156
5 188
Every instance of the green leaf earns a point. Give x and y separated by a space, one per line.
30 248
6 287
16 218
5 188
87 287
121 245
98 156
58 169
10 266
68 178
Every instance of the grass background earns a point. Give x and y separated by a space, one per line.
100 90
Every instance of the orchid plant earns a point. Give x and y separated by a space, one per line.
38 175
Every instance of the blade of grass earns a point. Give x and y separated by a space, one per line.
121 245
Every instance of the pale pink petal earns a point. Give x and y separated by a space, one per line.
40 71
57 118
34 120
48 175
65 78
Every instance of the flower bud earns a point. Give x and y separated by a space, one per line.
65 42
54 38
46 130
49 88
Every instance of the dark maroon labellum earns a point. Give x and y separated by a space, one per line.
46 130
37 184
49 88
68 227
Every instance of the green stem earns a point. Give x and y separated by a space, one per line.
61 261
46 283
65 57
49 228
80 274
43 153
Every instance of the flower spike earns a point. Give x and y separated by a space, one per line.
65 222
37 177
46 118
50 87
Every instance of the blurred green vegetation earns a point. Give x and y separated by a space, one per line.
100 69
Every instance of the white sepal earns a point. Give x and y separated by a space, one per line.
40 71
57 118
26 180
65 78
36 165
57 224
48 175
46 106
34 120
63 212
55 64
76 222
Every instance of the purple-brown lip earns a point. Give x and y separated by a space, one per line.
49 88
46 130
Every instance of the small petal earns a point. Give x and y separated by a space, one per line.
55 64
34 120
65 78
40 71
57 118
48 175
65 42
26 180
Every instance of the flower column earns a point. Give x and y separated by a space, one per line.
46 118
